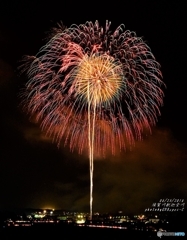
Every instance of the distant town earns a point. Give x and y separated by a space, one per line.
151 222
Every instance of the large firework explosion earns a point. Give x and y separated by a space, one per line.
94 89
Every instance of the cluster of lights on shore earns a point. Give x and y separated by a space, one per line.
43 213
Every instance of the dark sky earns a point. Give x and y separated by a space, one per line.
34 172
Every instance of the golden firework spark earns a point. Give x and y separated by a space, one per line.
101 76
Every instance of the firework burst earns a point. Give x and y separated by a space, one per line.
94 89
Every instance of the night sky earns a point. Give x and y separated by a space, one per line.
34 172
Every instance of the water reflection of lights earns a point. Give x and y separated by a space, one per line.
102 226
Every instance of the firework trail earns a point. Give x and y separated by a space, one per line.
94 89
